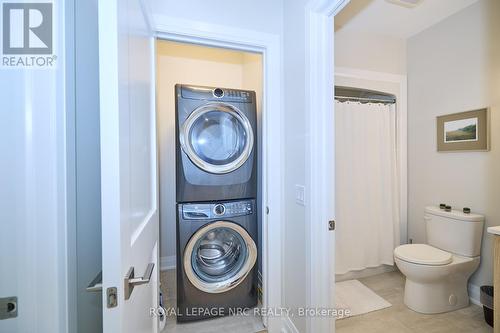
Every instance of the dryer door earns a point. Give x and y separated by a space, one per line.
217 137
219 256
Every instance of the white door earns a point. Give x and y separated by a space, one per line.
130 228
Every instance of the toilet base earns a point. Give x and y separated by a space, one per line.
436 297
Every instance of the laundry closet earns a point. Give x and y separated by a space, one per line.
220 212
210 184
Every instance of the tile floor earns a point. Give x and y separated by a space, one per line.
396 319
230 324
399 319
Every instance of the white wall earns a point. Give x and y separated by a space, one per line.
259 15
368 51
33 191
294 269
454 66
197 65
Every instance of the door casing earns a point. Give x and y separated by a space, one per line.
320 161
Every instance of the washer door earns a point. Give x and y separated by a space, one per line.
219 256
217 137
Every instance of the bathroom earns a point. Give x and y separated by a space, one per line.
412 62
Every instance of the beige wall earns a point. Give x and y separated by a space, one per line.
191 64
454 66
368 51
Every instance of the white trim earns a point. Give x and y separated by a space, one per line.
474 294
320 160
167 263
288 326
147 12
402 133
216 35
269 45
71 311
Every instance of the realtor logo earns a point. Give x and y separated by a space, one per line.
27 29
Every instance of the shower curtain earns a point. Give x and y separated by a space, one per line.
367 199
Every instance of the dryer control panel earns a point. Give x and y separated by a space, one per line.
217 94
205 211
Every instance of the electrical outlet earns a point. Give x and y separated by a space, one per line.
300 196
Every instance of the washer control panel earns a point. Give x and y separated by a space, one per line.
205 211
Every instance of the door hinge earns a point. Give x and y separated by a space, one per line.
331 225
111 297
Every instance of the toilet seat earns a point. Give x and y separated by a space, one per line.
423 254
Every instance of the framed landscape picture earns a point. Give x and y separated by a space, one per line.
463 131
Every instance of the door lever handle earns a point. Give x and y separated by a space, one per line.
96 285
131 281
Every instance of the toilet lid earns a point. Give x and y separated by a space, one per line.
423 254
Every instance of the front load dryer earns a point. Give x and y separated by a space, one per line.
216 140
216 256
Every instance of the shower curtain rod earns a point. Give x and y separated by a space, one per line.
363 95
364 99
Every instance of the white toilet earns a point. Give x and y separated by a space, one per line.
437 272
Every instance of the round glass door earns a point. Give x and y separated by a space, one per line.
217 137
219 256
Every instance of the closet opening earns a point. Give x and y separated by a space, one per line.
211 197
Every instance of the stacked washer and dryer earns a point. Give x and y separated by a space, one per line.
216 172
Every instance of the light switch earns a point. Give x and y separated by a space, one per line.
300 194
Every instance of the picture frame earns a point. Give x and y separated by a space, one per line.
464 131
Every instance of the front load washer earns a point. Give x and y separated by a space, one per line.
216 140
216 256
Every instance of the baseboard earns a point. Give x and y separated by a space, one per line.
288 326
167 263
474 294
362 273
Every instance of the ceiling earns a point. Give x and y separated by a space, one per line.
385 18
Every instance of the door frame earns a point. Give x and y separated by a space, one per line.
320 159
269 46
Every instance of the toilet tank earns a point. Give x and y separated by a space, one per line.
454 231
